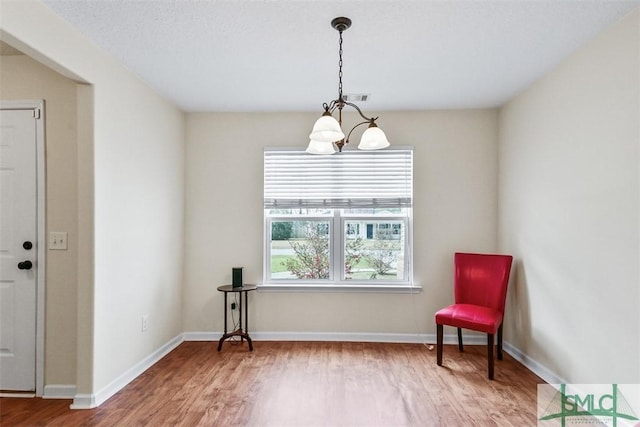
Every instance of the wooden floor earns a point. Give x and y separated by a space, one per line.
305 384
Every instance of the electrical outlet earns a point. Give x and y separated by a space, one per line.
145 322
233 306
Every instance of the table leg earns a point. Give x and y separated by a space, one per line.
240 316
246 320
225 312
246 312
224 335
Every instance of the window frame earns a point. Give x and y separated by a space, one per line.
290 185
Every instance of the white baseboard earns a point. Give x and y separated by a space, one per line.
84 401
534 366
59 391
340 336
472 339
18 395
89 401
359 337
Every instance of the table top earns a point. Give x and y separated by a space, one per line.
243 288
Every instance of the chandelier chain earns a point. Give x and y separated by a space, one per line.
340 69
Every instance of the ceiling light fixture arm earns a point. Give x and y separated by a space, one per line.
339 104
346 140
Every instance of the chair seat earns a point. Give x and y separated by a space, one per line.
469 316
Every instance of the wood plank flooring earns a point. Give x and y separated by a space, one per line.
305 384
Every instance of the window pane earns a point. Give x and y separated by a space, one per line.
374 250
300 249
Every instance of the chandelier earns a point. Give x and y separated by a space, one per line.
327 134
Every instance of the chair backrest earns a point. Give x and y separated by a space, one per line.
482 279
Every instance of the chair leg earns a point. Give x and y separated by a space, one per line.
460 347
440 332
490 354
500 342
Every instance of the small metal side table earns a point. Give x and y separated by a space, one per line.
240 332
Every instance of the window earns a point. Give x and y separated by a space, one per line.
338 220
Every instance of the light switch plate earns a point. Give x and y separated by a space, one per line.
58 240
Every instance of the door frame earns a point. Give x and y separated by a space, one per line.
37 106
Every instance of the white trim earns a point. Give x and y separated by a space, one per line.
22 104
89 401
83 401
534 366
59 391
18 395
340 336
364 288
42 244
343 336
38 104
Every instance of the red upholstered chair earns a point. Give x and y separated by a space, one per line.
480 291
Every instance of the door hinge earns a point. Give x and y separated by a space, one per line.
36 114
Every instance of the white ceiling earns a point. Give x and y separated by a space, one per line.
282 55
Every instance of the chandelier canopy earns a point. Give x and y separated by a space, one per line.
327 134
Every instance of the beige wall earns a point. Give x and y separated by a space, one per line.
455 198
23 78
569 209
134 229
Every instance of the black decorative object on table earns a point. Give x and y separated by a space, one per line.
237 277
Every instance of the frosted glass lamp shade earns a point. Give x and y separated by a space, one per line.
319 147
373 139
326 129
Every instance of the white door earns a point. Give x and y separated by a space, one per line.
18 238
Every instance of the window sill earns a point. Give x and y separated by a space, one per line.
364 288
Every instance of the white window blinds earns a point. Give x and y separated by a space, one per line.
351 179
